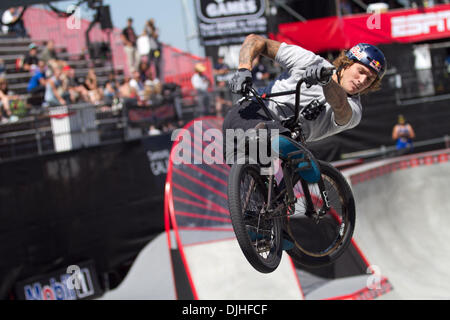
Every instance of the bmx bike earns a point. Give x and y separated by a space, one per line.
317 218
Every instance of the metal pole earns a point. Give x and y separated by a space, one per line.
338 8
185 26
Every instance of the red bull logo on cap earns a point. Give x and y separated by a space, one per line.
376 65
356 50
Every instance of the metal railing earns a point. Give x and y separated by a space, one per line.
388 151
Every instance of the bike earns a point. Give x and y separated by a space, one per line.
318 217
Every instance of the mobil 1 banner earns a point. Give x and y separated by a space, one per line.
75 282
224 22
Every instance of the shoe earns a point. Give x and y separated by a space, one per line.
286 241
308 170
286 244
255 236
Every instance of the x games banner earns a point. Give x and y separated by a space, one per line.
224 23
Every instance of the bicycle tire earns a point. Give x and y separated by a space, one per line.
345 197
242 215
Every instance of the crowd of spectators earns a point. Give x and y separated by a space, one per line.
53 81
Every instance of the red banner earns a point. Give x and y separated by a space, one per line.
333 33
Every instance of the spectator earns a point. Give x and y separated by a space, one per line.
153 131
155 55
2 68
125 88
13 23
403 134
91 84
129 40
137 87
153 92
220 67
48 54
31 59
201 84
260 74
74 91
111 91
4 101
143 45
54 90
36 85
222 100
144 71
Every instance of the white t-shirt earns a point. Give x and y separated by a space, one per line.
143 45
199 82
7 17
295 59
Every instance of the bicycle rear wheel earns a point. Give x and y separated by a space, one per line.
320 241
258 235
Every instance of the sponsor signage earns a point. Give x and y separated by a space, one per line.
333 33
223 22
76 282
420 24
157 149
213 11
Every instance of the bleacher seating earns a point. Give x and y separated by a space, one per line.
13 48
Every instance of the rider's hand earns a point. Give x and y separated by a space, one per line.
313 75
241 80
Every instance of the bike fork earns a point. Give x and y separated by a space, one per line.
309 202
324 195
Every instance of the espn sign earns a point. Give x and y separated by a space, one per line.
420 24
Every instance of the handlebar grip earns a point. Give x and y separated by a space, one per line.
325 73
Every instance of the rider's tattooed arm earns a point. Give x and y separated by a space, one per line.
255 45
337 98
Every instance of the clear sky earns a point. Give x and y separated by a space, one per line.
169 17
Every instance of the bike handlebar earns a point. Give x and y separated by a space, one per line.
324 75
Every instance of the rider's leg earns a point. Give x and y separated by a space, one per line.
284 146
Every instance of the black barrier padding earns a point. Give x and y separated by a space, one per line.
182 285
101 203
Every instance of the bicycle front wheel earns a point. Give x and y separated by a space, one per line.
258 235
322 240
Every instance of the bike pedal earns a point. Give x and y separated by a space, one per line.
295 155
307 166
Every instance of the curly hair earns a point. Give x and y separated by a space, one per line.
343 62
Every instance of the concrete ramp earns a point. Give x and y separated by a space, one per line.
403 221
220 272
150 277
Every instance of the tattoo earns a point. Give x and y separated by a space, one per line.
254 46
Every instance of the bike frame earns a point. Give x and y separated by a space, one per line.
287 165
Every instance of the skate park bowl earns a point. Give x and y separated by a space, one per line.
402 221
398 250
